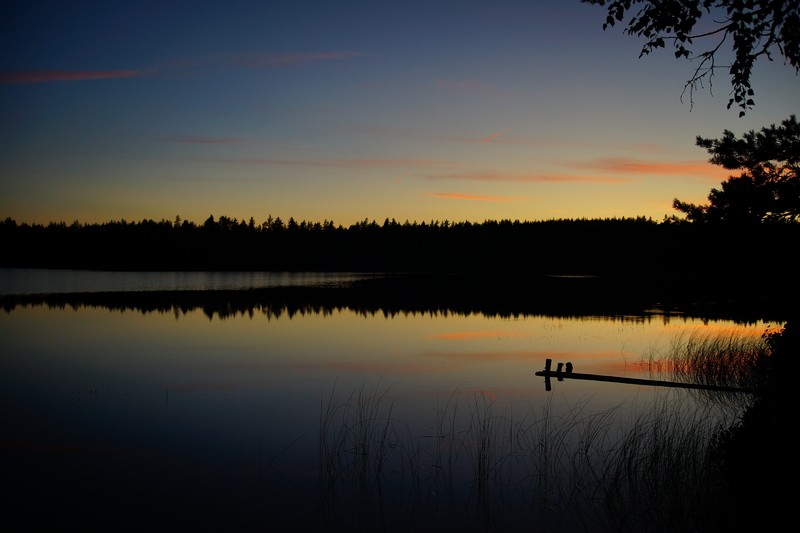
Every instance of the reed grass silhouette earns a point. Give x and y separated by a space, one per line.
494 467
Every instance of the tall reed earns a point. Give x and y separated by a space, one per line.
636 467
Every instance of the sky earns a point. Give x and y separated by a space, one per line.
347 111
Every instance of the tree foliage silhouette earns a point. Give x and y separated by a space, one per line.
755 29
768 190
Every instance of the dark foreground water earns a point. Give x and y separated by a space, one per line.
270 416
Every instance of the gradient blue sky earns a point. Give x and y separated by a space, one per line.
351 110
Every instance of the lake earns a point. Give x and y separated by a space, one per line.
332 417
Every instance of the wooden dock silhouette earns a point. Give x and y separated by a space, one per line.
563 372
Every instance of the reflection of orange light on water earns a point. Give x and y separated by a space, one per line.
509 355
619 368
717 330
463 335
372 367
607 362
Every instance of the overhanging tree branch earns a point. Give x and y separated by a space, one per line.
755 27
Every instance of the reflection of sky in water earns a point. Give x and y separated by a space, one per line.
243 392
290 362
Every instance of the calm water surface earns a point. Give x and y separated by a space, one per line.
124 420
43 281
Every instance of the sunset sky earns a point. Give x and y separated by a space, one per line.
351 110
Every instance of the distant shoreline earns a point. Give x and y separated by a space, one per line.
447 293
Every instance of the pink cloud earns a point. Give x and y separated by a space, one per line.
525 178
498 137
46 76
369 163
505 138
255 60
515 140
637 166
349 163
476 198
493 136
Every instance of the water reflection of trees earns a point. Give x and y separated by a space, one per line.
585 299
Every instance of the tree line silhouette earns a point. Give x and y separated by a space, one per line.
565 246
729 255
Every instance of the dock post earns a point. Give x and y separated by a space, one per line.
547 364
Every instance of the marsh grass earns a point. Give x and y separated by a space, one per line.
488 467
577 471
356 442
730 360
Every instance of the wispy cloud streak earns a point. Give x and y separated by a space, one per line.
347 163
493 136
250 60
526 178
477 198
47 76
622 165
